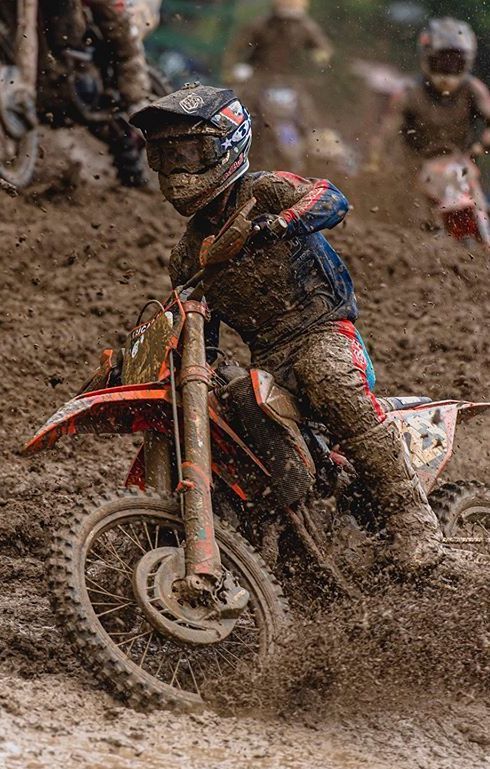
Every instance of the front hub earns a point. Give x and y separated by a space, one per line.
189 616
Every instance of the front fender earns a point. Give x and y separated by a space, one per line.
126 409
132 409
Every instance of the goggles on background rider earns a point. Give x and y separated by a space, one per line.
190 154
447 63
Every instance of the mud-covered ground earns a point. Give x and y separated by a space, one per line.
398 679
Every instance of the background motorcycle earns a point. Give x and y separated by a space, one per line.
452 183
37 87
281 113
161 596
287 132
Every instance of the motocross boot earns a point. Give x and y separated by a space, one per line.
125 146
128 161
415 538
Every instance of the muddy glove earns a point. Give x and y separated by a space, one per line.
268 229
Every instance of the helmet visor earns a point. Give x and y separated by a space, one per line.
183 154
448 63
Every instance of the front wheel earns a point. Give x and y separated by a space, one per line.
463 510
116 619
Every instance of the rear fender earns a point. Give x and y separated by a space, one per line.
429 430
127 409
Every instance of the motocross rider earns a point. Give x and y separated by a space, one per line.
274 44
66 27
274 53
288 294
445 108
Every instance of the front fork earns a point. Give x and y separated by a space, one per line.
202 554
202 558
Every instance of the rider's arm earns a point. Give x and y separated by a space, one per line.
391 125
481 100
317 42
243 47
307 205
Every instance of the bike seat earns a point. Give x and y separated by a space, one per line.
403 402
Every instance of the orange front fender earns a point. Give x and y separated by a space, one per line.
127 409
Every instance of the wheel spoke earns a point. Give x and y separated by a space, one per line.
137 543
174 676
140 663
137 539
148 535
157 534
116 608
118 557
191 671
102 591
133 638
164 658
107 565
221 651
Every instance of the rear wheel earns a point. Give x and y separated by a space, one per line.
18 134
463 510
107 581
18 158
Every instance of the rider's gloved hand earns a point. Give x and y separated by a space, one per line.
268 229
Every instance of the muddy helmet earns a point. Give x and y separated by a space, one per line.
198 141
290 9
448 50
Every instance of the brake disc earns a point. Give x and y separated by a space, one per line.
186 620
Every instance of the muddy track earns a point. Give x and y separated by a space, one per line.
400 679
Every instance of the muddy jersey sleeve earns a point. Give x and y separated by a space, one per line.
481 100
308 205
315 39
245 44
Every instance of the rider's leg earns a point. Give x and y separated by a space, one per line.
126 149
65 23
114 19
330 370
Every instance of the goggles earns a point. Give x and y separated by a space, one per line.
448 63
189 154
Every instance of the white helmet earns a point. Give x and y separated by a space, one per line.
447 50
290 9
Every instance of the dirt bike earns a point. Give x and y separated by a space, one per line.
154 584
281 108
37 86
291 143
452 183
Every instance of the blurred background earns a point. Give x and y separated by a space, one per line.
194 34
